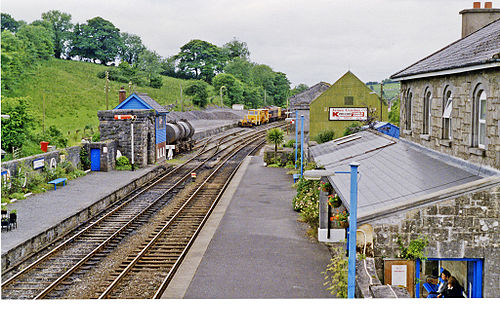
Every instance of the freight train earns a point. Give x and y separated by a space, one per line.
256 117
179 134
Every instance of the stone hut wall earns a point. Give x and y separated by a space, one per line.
120 131
464 227
462 87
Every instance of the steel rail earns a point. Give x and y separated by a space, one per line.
124 203
168 224
102 245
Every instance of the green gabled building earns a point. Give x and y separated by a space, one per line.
346 101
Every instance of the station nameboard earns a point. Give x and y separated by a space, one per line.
348 113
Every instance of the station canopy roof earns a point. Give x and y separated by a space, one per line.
392 171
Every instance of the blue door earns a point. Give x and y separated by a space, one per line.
95 159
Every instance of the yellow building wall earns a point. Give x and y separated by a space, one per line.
347 85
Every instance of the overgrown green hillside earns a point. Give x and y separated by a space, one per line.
74 94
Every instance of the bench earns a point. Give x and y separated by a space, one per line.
431 287
58 181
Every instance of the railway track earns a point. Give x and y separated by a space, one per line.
50 275
202 145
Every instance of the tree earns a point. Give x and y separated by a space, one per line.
394 114
276 136
253 96
149 62
99 40
9 23
131 48
233 86
241 69
298 89
15 62
200 60
280 88
15 129
168 67
236 49
61 27
37 40
198 89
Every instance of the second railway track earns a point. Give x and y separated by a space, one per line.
54 273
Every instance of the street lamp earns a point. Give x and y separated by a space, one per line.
221 104
353 216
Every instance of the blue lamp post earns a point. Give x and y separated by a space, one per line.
353 216
301 146
296 136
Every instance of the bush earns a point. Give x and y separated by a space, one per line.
96 137
84 159
325 136
352 128
306 202
290 144
336 273
122 163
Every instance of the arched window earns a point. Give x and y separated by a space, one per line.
427 112
447 108
409 97
479 118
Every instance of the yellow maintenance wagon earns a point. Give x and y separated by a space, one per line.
255 117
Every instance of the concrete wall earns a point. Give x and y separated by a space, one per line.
462 86
72 154
463 227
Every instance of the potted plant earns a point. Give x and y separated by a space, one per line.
334 200
325 186
341 217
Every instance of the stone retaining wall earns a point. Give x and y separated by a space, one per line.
72 155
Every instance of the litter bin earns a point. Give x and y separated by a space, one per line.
44 145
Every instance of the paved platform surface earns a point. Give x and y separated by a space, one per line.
42 211
253 246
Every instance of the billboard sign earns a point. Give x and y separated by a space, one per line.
348 114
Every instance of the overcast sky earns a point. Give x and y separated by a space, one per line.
309 40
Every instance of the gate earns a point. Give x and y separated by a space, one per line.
95 159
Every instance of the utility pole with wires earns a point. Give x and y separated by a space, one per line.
182 101
43 108
106 90
381 98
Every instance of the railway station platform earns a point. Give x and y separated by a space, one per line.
39 213
41 216
252 246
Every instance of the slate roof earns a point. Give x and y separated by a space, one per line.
480 47
307 96
154 104
391 171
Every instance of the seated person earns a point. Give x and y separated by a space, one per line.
454 289
445 275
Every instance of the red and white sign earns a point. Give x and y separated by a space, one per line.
348 113
125 116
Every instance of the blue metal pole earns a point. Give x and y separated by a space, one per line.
296 136
417 277
301 146
353 216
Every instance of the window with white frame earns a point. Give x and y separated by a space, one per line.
447 108
427 112
409 97
479 119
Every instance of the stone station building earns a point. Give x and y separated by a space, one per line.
441 179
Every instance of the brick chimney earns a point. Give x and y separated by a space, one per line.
475 18
122 95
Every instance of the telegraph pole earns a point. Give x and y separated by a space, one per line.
107 90
43 107
381 96
182 101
